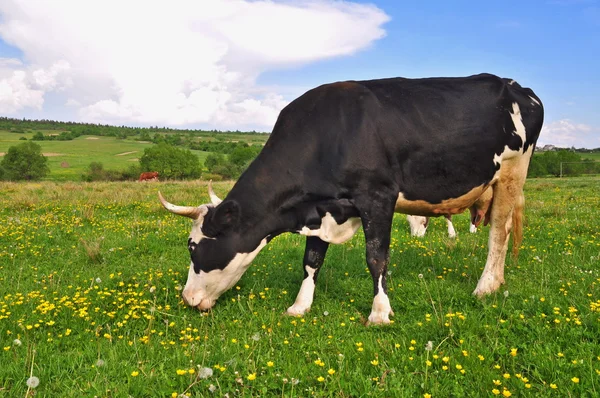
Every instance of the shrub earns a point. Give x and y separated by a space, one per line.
170 162
25 162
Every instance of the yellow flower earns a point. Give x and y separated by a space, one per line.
375 362
320 379
481 357
135 373
497 382
553 386
270 364
192 371
444 367
575 380
506 375
181 372
251 376
426 395
560 355
495 391
446 359
174 395
331 371
513 352
506 393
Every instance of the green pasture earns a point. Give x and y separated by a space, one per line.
90 304
68 160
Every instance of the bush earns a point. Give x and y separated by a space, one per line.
25 162
170 162
96 172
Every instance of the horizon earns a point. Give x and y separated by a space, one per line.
233 65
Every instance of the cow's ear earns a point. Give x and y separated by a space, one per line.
227 215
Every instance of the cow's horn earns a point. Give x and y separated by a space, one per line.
186 211
213 197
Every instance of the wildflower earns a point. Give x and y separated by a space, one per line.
497 382
251 376
212 388
325 313
181 372
446 359
320 379
420 276
553 386
429 346
331 371
513 352
426 395
481 357
256 336
270 364
17 342
98 280
152 289
205 373
135 373
495 391
506 293
375 362
506 393
99 363
575 380
33 382
506 375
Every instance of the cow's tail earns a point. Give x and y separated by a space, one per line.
517 222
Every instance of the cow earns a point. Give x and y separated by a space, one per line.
149 176
418 224
350 154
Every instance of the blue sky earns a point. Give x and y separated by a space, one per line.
265 54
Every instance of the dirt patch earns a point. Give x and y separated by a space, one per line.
50 154
125 153
65 165
92 138
133 160
2 153
145 142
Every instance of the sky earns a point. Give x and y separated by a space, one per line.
234 64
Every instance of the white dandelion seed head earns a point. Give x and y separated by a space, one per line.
506 293
325 313
420 276
152 289
178 287
295 381
100 363
205 373
256 336
98 280
429 346
212 388
33 382
17 342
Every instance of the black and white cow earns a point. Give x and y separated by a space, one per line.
352 153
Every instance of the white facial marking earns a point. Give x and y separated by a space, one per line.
381 310
305 295
417 225
206 287
332 232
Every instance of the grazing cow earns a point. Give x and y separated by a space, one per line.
352 153
149 176
419 224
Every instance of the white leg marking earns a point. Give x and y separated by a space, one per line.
451 231
305 295
473 228
381 310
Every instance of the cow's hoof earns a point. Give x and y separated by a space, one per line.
378 318
296 311
473 229
487 286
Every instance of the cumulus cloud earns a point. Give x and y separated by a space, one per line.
566 133
184 62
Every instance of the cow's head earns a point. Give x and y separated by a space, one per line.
219 254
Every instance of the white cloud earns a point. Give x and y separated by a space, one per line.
175 63
566 133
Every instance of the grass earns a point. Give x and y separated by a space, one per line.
91 276
113 153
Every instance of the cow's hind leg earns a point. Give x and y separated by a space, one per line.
507 206
451 231
314 255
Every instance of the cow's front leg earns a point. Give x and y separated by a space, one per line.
377 225
314 255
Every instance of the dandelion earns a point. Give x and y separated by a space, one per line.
98 280
100 363
506 293
17 342
256 336
251 376
420 276
33 382
152 289
212 388
205 373
429 346
325 313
